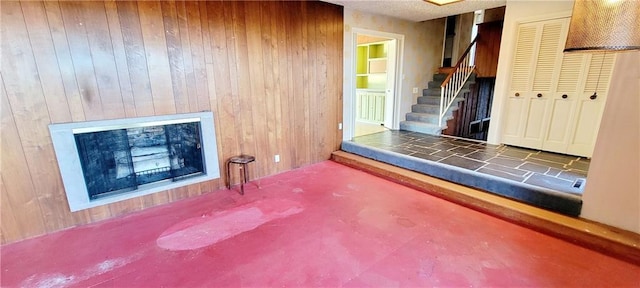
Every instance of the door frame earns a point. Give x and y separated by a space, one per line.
349 102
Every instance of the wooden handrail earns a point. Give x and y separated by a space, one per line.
455 80
466 51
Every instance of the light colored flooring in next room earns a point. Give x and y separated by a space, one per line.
364 128
324 225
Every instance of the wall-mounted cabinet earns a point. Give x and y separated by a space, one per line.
550 105
371 66
370 106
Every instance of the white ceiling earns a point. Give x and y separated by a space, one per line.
417 10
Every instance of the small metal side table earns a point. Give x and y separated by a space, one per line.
241 160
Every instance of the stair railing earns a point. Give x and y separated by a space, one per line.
454 82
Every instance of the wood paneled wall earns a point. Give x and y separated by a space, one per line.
488 48
270 71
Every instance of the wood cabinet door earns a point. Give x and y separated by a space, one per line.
370 106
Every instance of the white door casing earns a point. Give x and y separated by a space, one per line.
390 89
349 107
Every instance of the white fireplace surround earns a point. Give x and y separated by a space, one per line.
66 151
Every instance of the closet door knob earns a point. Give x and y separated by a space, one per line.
539 95
594 96
517 94
564 96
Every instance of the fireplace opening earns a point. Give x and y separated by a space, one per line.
121 160
107 161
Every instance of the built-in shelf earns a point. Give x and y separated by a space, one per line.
371 66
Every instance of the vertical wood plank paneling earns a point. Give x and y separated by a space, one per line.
210 100
102 56
321 93
488 48
313 95
18 191
234 79
295 26
185 41
235 123
29 108
224 107
46 61
120 58
308 86
334 84
284 86
174 52
201 97
204 23
255 97
136 57
242 78
245 108
85 74
157 57
269 70
64 60
11 229
51 81
339 15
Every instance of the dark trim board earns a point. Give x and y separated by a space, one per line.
563 203
622 244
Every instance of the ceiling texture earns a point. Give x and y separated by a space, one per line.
417 10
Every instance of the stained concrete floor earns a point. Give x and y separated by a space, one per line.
324 225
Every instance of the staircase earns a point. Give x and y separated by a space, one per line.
424 116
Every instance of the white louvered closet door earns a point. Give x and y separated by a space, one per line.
520 84
538 50
553 33
547 108
586 121
563 103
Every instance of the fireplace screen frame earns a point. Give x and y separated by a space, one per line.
66 149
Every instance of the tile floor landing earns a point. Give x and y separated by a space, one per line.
324 225
544 169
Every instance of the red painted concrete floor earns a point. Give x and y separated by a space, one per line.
323 225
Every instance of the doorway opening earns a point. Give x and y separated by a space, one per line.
450 43
375 78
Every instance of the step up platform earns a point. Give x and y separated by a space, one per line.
415 152
609 240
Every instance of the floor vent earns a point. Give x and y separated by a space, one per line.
578 183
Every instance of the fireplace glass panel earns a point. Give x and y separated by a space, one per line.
121 160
